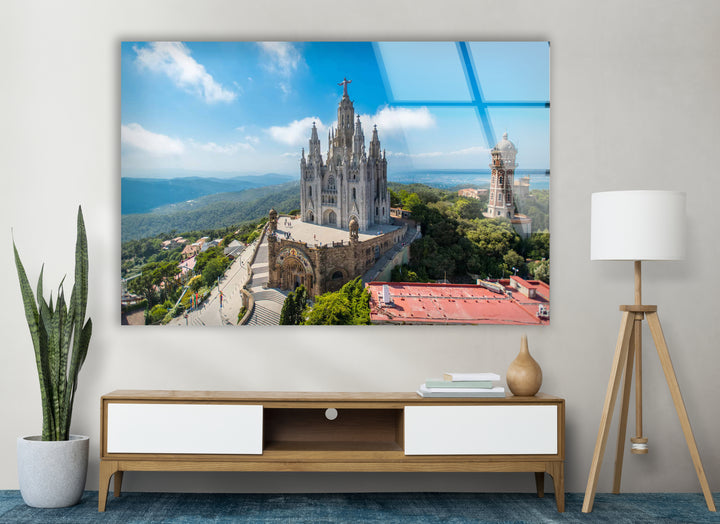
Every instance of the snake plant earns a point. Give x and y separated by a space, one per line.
60 338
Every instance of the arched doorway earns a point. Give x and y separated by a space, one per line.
294 275
331 217
310 216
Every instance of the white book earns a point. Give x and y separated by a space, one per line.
498 391
456 377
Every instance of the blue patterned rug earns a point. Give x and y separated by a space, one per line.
191 508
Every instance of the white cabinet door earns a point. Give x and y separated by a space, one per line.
481 430
184 428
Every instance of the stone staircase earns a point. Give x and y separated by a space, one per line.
271 295
263 316
268 301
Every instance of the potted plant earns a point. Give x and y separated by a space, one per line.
52 467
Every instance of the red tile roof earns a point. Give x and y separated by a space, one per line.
417 303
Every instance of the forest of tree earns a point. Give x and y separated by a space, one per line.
348 306
459 244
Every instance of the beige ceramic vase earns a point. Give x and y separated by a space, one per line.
524 375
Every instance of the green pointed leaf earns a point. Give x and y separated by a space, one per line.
64 331
33 320
57 376
81 269
40 284
76 364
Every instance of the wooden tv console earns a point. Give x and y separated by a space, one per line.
281 431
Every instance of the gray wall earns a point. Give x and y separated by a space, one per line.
635 106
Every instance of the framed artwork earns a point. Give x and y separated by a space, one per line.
286 183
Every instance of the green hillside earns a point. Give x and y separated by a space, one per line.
212 211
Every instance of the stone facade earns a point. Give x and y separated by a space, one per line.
351 182
325 268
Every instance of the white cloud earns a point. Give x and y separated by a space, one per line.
285 88
393 119
475 150
429 154
228 149
173 59
284 58
296 132
135 136
157 145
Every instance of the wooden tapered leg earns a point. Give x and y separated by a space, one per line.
557 472
107 468
624 404
619 360
540 483
664 354
117 483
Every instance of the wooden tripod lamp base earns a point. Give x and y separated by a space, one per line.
637 226
623 360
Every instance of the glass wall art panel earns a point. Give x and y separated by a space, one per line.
359 183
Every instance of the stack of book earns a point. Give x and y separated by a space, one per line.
462 385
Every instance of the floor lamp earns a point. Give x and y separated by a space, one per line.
637 225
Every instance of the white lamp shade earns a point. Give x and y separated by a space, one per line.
637 225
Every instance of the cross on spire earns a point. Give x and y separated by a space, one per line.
344 83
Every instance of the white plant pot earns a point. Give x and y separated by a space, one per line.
52 473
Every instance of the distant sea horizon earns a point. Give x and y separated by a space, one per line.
539 178
443 178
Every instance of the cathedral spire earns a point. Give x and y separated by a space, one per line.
358 139
375 144
314 149
345 118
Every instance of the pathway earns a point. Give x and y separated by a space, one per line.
231 283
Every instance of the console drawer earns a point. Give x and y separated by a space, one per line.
481 430
184 428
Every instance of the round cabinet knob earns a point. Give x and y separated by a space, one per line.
331 413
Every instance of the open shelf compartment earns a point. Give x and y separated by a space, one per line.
308 429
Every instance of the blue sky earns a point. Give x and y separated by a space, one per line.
247 107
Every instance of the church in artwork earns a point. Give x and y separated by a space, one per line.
352 182
344 227
501 203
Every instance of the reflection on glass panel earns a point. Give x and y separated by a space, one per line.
512 71
430 71
529 130
454 140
